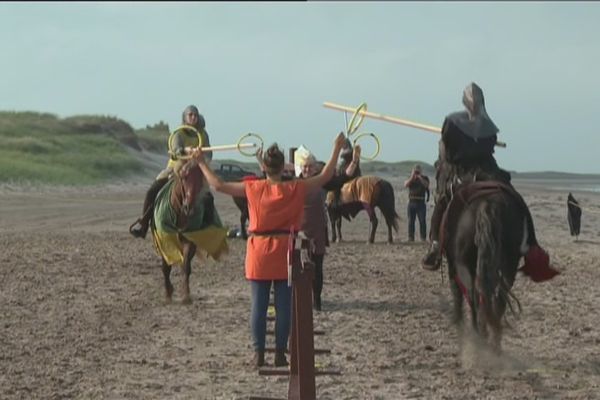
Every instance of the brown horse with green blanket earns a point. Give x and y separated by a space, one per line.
185 219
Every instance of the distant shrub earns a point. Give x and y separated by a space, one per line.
154 138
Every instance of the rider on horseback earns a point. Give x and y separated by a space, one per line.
465 153
181 140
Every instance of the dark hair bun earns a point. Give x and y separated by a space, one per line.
273 159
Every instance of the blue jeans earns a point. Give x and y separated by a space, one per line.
283 310
417 209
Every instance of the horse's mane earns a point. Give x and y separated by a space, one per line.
186 173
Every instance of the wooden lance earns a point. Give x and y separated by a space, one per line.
394 120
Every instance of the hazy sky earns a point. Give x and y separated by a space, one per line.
268 67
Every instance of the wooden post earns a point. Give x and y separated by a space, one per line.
302 347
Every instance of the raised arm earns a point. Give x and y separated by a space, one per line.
355 160
259 160
326 174
235 189
206 143
411 179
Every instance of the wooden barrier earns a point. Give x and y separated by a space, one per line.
302 350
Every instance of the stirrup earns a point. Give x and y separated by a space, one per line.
437 262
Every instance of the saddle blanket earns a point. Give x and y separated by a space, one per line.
360 189
209 236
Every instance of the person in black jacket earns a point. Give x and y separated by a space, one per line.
466 152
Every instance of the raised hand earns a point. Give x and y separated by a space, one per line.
356 153
340 140
198 155
259 159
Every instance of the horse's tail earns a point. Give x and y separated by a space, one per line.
492 285
387 204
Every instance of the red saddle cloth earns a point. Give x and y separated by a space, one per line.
537 265
537 261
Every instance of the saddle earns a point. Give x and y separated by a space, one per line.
537 261
464 195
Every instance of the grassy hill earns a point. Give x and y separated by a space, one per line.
90 149
84 149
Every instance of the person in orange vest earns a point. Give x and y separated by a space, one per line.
276 208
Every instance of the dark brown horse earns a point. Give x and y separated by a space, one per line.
184 189
364 193
242 205
484 235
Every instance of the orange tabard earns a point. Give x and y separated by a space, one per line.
272 207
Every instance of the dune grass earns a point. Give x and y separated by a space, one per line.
42 148
90 149
154 138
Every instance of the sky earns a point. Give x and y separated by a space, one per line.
267 68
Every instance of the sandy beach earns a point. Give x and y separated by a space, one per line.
82 314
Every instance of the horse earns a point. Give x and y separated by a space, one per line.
185 219
242 205
363 193
484 234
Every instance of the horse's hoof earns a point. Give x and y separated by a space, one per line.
186 301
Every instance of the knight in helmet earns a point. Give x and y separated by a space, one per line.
466 152
181 141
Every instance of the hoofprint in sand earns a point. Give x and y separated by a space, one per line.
82 313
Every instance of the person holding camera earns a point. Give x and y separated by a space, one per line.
418 195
